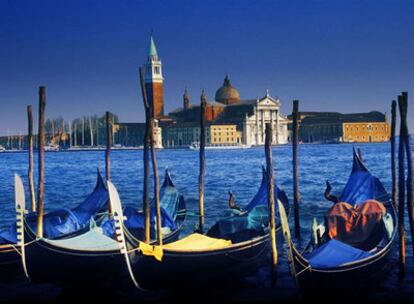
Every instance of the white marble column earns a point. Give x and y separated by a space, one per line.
277 126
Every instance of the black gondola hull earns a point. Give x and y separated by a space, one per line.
48 263
191 268
10 262
363 274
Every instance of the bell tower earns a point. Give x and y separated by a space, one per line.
186 100
154 81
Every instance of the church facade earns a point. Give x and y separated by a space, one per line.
249 116
265 110
230 119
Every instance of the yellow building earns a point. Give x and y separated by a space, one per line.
328 127
366 131
184 134
223 135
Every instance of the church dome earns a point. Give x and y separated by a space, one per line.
227 94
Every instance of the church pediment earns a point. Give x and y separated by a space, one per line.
268 101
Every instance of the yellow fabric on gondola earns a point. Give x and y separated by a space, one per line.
151 250
198 242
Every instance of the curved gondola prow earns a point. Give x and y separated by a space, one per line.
119 232
20 203
362 185
181 210
358 164
99 182
167 179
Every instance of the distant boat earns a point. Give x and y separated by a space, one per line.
2 149
196 146
52 147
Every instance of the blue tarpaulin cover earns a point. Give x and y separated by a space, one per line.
169 202
362 186
255 215
333 254
64 221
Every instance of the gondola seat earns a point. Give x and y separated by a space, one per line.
333 254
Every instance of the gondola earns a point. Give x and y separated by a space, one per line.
233 247
57 224
94 251
333 261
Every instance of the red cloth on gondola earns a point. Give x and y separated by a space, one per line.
359 226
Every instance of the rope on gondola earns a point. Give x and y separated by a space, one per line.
303 270
248 259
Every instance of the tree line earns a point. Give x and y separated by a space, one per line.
82 131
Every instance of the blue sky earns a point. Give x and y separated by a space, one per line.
347 56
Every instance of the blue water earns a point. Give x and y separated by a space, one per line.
70 176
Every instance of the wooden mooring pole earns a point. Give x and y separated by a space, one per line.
147 143
108 152
393 159
271 196
31 161
295 142
401 182
156 182
407 143
202 158
41 161
108 146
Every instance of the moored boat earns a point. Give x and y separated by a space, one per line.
232 248
336 257
95 250
196 146
57 224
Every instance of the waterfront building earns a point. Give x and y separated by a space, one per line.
223 135
133 134
249 116
231 120
326 127
183 134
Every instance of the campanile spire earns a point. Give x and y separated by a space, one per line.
154 80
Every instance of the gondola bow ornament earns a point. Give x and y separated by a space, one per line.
118 223
20 203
